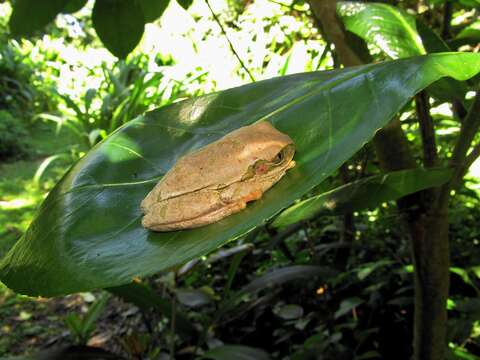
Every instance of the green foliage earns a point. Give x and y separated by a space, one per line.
383 25
82 328
124 168
126 91
30 15
298 293
146 299
118 23
395 33
13 134
369 192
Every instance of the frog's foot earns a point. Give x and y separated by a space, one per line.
254 195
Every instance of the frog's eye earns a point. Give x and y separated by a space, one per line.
278 159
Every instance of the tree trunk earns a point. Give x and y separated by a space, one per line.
430 250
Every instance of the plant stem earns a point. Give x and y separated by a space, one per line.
173 319
447 19
347 235
427 130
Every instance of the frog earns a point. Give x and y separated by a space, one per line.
219 179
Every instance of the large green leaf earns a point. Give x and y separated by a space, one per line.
31 15
399 35
87 233
389 28
363 194
119 24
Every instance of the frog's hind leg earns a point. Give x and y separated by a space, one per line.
212 217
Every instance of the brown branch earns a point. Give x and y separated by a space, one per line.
217 20
427 130
472 156
447 19
348 227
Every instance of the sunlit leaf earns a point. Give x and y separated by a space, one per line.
458 353
88 234
235 352
385 26
363 194
399 35
464 276
119 24
31 15
444 89
468 35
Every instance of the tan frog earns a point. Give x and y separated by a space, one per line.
219 179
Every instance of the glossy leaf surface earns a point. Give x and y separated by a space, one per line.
363 194
87 233
119 24
399 35
389 28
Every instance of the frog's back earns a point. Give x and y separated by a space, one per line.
222 162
